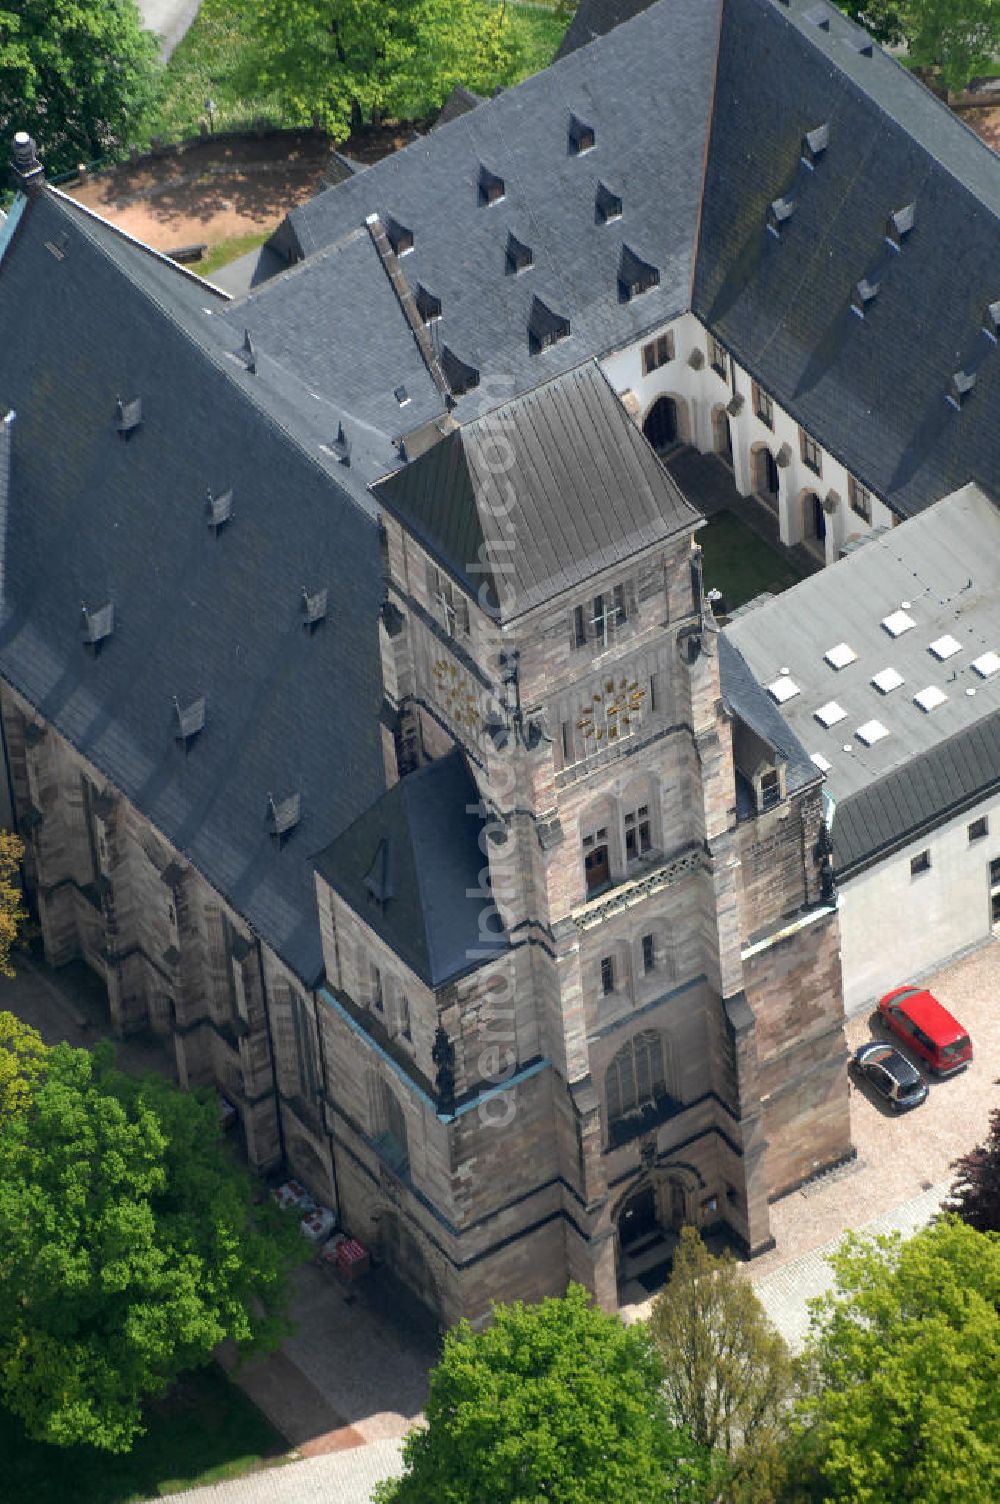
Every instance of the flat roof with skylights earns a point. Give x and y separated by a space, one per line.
902 628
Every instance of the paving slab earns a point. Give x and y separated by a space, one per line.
339 1478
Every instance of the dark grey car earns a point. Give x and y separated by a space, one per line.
891 1074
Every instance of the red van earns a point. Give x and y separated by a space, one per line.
918 1019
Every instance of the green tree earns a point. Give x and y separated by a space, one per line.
339 60
12 915
79 75
904 1364
129 1248
955 38
728 1374
556 1401
23 1054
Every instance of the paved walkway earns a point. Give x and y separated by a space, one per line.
342 1478
785 1292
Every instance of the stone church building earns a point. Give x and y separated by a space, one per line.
362 715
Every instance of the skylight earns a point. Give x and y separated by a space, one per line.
829 714
871 732
783 689
897 623
840 656
987 664
886 680
945 647
930 698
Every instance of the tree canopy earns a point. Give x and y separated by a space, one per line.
129 1246
956 39
23 1053
904 1367
78 75
335 60
556 1401
728 1374
12 914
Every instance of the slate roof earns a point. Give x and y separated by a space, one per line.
419 848
746 698
595 18
96 519
583 491
873 391
943 570
459 102
649 149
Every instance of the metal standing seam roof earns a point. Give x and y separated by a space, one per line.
420 848
198 612
584 491
941 570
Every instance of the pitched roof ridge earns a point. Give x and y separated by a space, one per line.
407 302
706 157
218 361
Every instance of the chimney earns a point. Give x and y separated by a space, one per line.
26 170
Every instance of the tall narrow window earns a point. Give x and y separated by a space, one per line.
810 450
579 627
763 406
607 975
860 499
638 833
648 954
374 986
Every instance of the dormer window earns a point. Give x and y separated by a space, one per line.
581 136
398 236
519 256
491 187
607 205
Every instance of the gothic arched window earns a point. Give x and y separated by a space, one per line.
636 1079
390 1127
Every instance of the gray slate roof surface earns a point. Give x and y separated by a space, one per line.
946 565
747 699
583 491
873 391
335 324
433 860
649 149
595 18
93 518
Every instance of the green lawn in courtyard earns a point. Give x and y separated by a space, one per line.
205 1431
739 563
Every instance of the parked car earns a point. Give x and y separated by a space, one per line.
891 1074
917 1018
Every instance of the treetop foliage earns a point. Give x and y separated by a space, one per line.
12 914
129 1246
903 1396
557 1402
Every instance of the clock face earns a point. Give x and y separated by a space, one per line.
456 694
613 712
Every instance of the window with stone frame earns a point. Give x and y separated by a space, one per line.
638 833
376 996
763 406
812 456
635 1083
389 1134
648 955
770 789
448 604
860 499
399 1026
596 859
607 975
659 352
718 358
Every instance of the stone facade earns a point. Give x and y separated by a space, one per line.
662 1040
